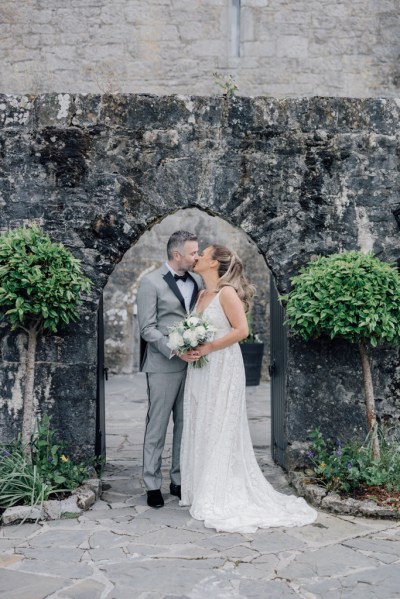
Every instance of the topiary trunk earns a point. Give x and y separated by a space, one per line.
369 400
27 411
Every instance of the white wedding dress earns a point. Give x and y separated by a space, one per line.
221 480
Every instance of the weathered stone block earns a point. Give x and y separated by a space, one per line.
85 497
52 509
21 513
95 485
335 503
370 508
304 488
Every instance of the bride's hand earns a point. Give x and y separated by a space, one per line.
203 350
190 356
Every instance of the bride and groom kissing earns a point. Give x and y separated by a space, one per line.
213 467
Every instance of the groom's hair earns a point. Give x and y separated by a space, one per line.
177 241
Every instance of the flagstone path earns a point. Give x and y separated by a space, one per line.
121 549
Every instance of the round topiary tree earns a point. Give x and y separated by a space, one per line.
40 288
352 295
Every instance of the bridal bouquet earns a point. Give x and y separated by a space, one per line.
188 334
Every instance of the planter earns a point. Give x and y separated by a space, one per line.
252 357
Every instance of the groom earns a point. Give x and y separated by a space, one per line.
165 296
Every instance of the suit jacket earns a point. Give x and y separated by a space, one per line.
160 305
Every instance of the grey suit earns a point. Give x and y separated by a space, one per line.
160 305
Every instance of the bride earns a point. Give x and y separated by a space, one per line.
221 480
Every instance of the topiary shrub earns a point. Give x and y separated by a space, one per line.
40 289
352 295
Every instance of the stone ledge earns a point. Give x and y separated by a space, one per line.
80 500
333 502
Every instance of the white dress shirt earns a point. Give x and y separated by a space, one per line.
185 287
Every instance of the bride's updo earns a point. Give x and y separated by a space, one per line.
231 273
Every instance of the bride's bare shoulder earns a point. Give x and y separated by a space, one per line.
228 294
228 290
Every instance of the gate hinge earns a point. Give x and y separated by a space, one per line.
272 368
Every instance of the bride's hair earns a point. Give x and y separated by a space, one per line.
231 273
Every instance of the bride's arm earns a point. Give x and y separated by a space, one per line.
234 310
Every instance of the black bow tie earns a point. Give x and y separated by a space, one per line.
181 277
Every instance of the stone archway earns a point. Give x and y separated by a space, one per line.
121 332
121 335
300 177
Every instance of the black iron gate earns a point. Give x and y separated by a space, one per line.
100 447
278 376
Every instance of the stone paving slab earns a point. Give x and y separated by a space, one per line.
267 541
70 555
275 589
87 589
384 550
382 583
330 529
20 585
122 549
318 563
169 576
48 567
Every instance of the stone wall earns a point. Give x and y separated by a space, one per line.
120 325
299 177
287 47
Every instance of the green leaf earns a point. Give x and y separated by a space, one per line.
59 479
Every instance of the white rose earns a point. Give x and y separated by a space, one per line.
190 337
193 321
200 331
175 341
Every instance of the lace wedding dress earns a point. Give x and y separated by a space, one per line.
221 480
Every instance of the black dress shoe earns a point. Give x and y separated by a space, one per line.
175 490
154 498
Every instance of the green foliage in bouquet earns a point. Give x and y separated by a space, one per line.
189 333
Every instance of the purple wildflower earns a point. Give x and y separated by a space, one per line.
310 454
338 451
6 453
350 464
50 459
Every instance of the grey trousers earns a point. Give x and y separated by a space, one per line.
165 395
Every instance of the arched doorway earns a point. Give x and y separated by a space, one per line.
121 337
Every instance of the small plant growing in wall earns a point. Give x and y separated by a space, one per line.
226 83
351 295
40 289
